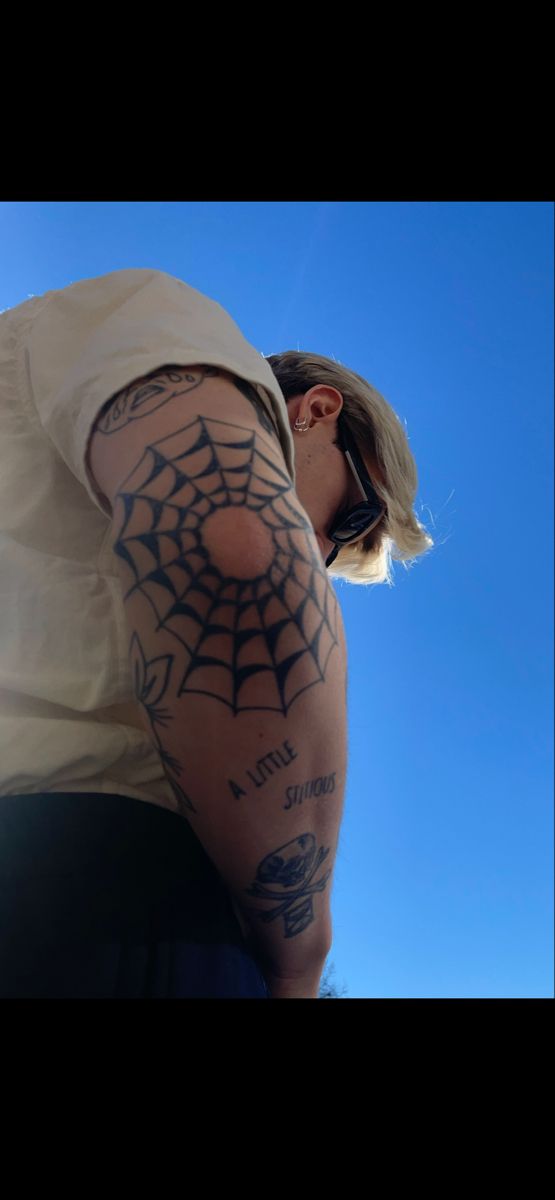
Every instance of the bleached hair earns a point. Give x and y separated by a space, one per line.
382 440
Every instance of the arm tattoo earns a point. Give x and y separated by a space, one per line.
157 388
265 768
285 877
323 785
147 394
232 631
151 682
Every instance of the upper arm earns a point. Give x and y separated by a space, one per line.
164 403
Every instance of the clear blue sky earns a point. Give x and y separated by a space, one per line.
444 874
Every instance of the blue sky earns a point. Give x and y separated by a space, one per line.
443 882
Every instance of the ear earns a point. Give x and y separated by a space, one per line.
325 402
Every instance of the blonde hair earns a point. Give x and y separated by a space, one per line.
383 443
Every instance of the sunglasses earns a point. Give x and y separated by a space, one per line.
350 524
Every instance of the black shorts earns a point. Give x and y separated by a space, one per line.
106 896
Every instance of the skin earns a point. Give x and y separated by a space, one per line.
205 626
324 481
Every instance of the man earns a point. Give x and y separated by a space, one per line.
172 503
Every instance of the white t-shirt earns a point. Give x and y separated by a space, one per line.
68 718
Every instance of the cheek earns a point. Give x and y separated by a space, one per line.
343 497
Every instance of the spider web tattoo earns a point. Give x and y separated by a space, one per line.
279 625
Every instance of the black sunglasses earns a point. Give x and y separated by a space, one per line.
350 524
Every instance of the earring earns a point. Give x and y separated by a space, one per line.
302 426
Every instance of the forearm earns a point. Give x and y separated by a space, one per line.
306 987
264 792
272 826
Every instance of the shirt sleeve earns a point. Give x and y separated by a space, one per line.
87 341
